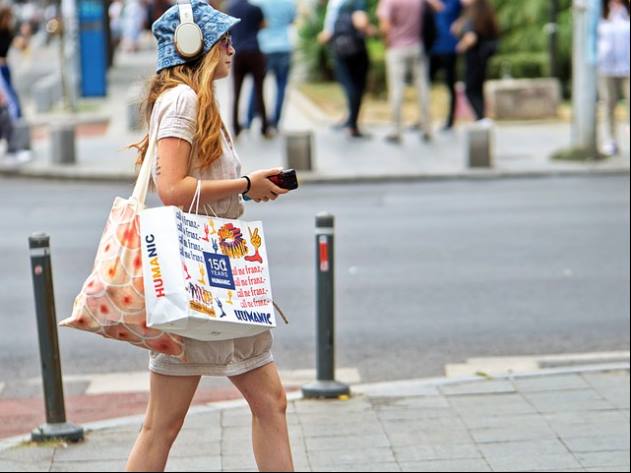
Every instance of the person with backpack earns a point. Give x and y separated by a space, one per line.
346 26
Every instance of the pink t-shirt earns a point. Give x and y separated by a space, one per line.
405 18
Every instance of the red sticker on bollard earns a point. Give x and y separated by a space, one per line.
324 254
38 270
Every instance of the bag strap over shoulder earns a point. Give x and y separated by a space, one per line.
144 176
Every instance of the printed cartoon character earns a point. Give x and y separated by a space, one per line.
215 246
256 241
223 312
231 241
209 229
188 275
202 274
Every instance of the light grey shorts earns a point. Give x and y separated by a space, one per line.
219 358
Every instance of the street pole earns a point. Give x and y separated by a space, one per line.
553 46
586 15
326 386
62 59
56 426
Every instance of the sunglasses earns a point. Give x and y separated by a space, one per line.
226 41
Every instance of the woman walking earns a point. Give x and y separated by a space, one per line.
194 147
478 32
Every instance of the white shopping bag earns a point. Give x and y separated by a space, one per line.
206 278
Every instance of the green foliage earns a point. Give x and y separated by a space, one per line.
315 56
524 38
519 65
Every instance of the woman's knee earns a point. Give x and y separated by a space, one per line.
165 428
269 404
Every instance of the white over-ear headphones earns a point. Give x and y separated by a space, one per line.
189 40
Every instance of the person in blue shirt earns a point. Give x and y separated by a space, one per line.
276 44
248 60
443 52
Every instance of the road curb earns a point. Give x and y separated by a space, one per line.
368 389
61 173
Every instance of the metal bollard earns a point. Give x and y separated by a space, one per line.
62 142
325 386
480 146
56 426
22 134
298 149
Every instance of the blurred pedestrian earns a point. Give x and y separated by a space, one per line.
133 24
443 54
6 124
115 13
401 23
478 31
14 154
276 44
613 60
10 38
248 60
346 26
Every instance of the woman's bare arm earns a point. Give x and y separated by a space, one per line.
176 187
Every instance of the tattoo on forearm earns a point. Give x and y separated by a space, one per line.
158 167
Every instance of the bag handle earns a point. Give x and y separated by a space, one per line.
196 200
144 176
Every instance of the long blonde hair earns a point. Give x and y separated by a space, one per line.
199 76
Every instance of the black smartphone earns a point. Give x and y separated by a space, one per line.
287 179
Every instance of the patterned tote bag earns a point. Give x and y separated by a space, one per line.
112 302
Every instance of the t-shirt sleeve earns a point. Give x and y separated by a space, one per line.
179 115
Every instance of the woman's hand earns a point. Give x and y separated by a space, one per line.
467 42
262 189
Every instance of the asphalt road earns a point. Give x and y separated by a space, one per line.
427 273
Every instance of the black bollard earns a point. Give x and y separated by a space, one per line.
56 426
325 386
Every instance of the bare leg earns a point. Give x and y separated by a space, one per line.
266 396
169 401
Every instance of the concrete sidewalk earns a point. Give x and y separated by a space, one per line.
552 420
521 149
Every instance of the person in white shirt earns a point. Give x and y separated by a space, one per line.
613 65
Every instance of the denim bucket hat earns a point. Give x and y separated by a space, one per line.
213 24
